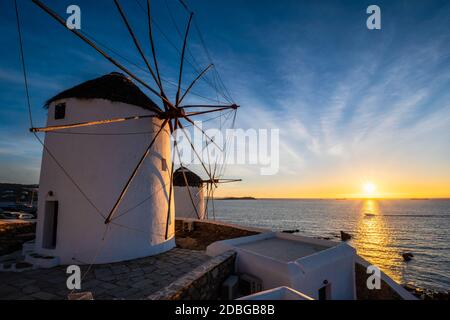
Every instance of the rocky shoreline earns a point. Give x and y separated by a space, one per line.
427 294
420 293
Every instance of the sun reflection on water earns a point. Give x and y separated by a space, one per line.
374 240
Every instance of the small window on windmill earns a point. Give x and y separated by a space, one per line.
163 164
60 111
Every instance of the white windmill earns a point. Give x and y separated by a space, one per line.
189 194
106 191
193 194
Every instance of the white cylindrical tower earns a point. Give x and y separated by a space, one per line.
84 170
183 203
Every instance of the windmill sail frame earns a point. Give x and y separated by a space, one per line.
172 114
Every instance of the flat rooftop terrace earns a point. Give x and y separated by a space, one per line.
282 249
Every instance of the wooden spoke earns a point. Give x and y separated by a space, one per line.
208 111
180 75
103 53
209 157
213 206
230 180
138 45
193 148
209 138
172 129
222 181
152 45
91 123
184 5
133 175
193 82
229 106
207 200
216 166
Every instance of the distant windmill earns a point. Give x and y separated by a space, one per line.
211 185
194 204
88 106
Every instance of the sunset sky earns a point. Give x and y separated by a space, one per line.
354 107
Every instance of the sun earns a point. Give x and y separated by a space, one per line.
369 188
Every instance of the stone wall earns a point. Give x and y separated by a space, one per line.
202 283
14 234
363 293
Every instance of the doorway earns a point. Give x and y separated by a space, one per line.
50 225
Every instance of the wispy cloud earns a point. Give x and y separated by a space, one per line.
38 81
379 102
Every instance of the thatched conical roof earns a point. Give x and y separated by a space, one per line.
192 179
114 87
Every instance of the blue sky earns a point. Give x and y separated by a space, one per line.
351 104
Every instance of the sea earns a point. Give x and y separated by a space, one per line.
382 230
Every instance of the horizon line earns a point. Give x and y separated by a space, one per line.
333 198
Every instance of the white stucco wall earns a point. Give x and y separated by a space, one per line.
183 203
335 264
100 163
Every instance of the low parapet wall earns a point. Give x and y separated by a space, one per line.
390 290
202 283
206 232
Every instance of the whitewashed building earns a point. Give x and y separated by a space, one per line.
190 198
85 169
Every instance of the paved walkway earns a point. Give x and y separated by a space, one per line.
135 279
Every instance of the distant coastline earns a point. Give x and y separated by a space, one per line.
328 199
237 198
5 186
